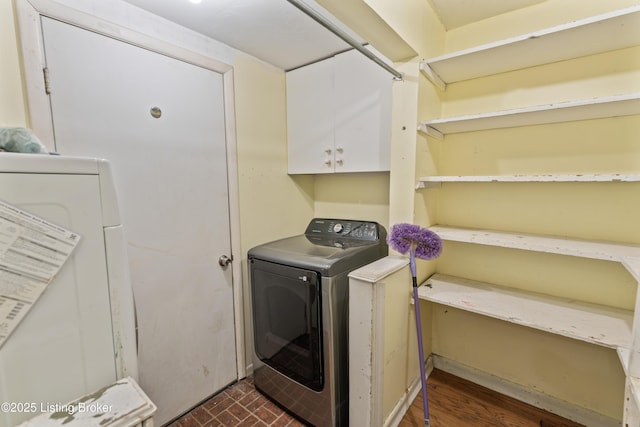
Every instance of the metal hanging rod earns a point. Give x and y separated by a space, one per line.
345 37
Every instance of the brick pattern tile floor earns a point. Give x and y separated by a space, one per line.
238 405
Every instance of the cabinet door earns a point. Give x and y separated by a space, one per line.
363 114
310 118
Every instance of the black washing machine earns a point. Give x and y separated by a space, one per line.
299 295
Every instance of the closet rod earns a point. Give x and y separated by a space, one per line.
344 36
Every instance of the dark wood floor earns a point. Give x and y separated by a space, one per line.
454 402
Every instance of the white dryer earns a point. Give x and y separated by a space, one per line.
79 335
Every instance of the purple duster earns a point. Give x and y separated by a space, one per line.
425 244
403 237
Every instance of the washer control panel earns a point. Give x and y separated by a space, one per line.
363 230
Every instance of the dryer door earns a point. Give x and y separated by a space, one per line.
287 321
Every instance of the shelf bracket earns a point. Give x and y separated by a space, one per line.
420 185
633 267
430 131
432 75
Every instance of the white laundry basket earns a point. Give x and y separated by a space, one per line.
121 404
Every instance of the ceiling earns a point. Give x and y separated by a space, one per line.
272 30
278 33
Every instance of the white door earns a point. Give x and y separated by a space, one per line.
161 123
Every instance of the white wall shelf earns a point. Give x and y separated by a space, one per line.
586 109
610 31
595 324
435 181
604 326
626 254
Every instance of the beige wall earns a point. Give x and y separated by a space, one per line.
582 374
353 196
272 204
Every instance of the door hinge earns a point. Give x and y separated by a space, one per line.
47 86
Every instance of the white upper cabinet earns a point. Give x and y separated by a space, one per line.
310 118
339 116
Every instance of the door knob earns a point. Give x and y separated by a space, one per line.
224 260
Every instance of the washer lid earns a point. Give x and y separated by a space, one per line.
47 163
327 251
300 252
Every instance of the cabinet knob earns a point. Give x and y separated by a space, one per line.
328 151
327 162
339 162
339 149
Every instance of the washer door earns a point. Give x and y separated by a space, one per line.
287 321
